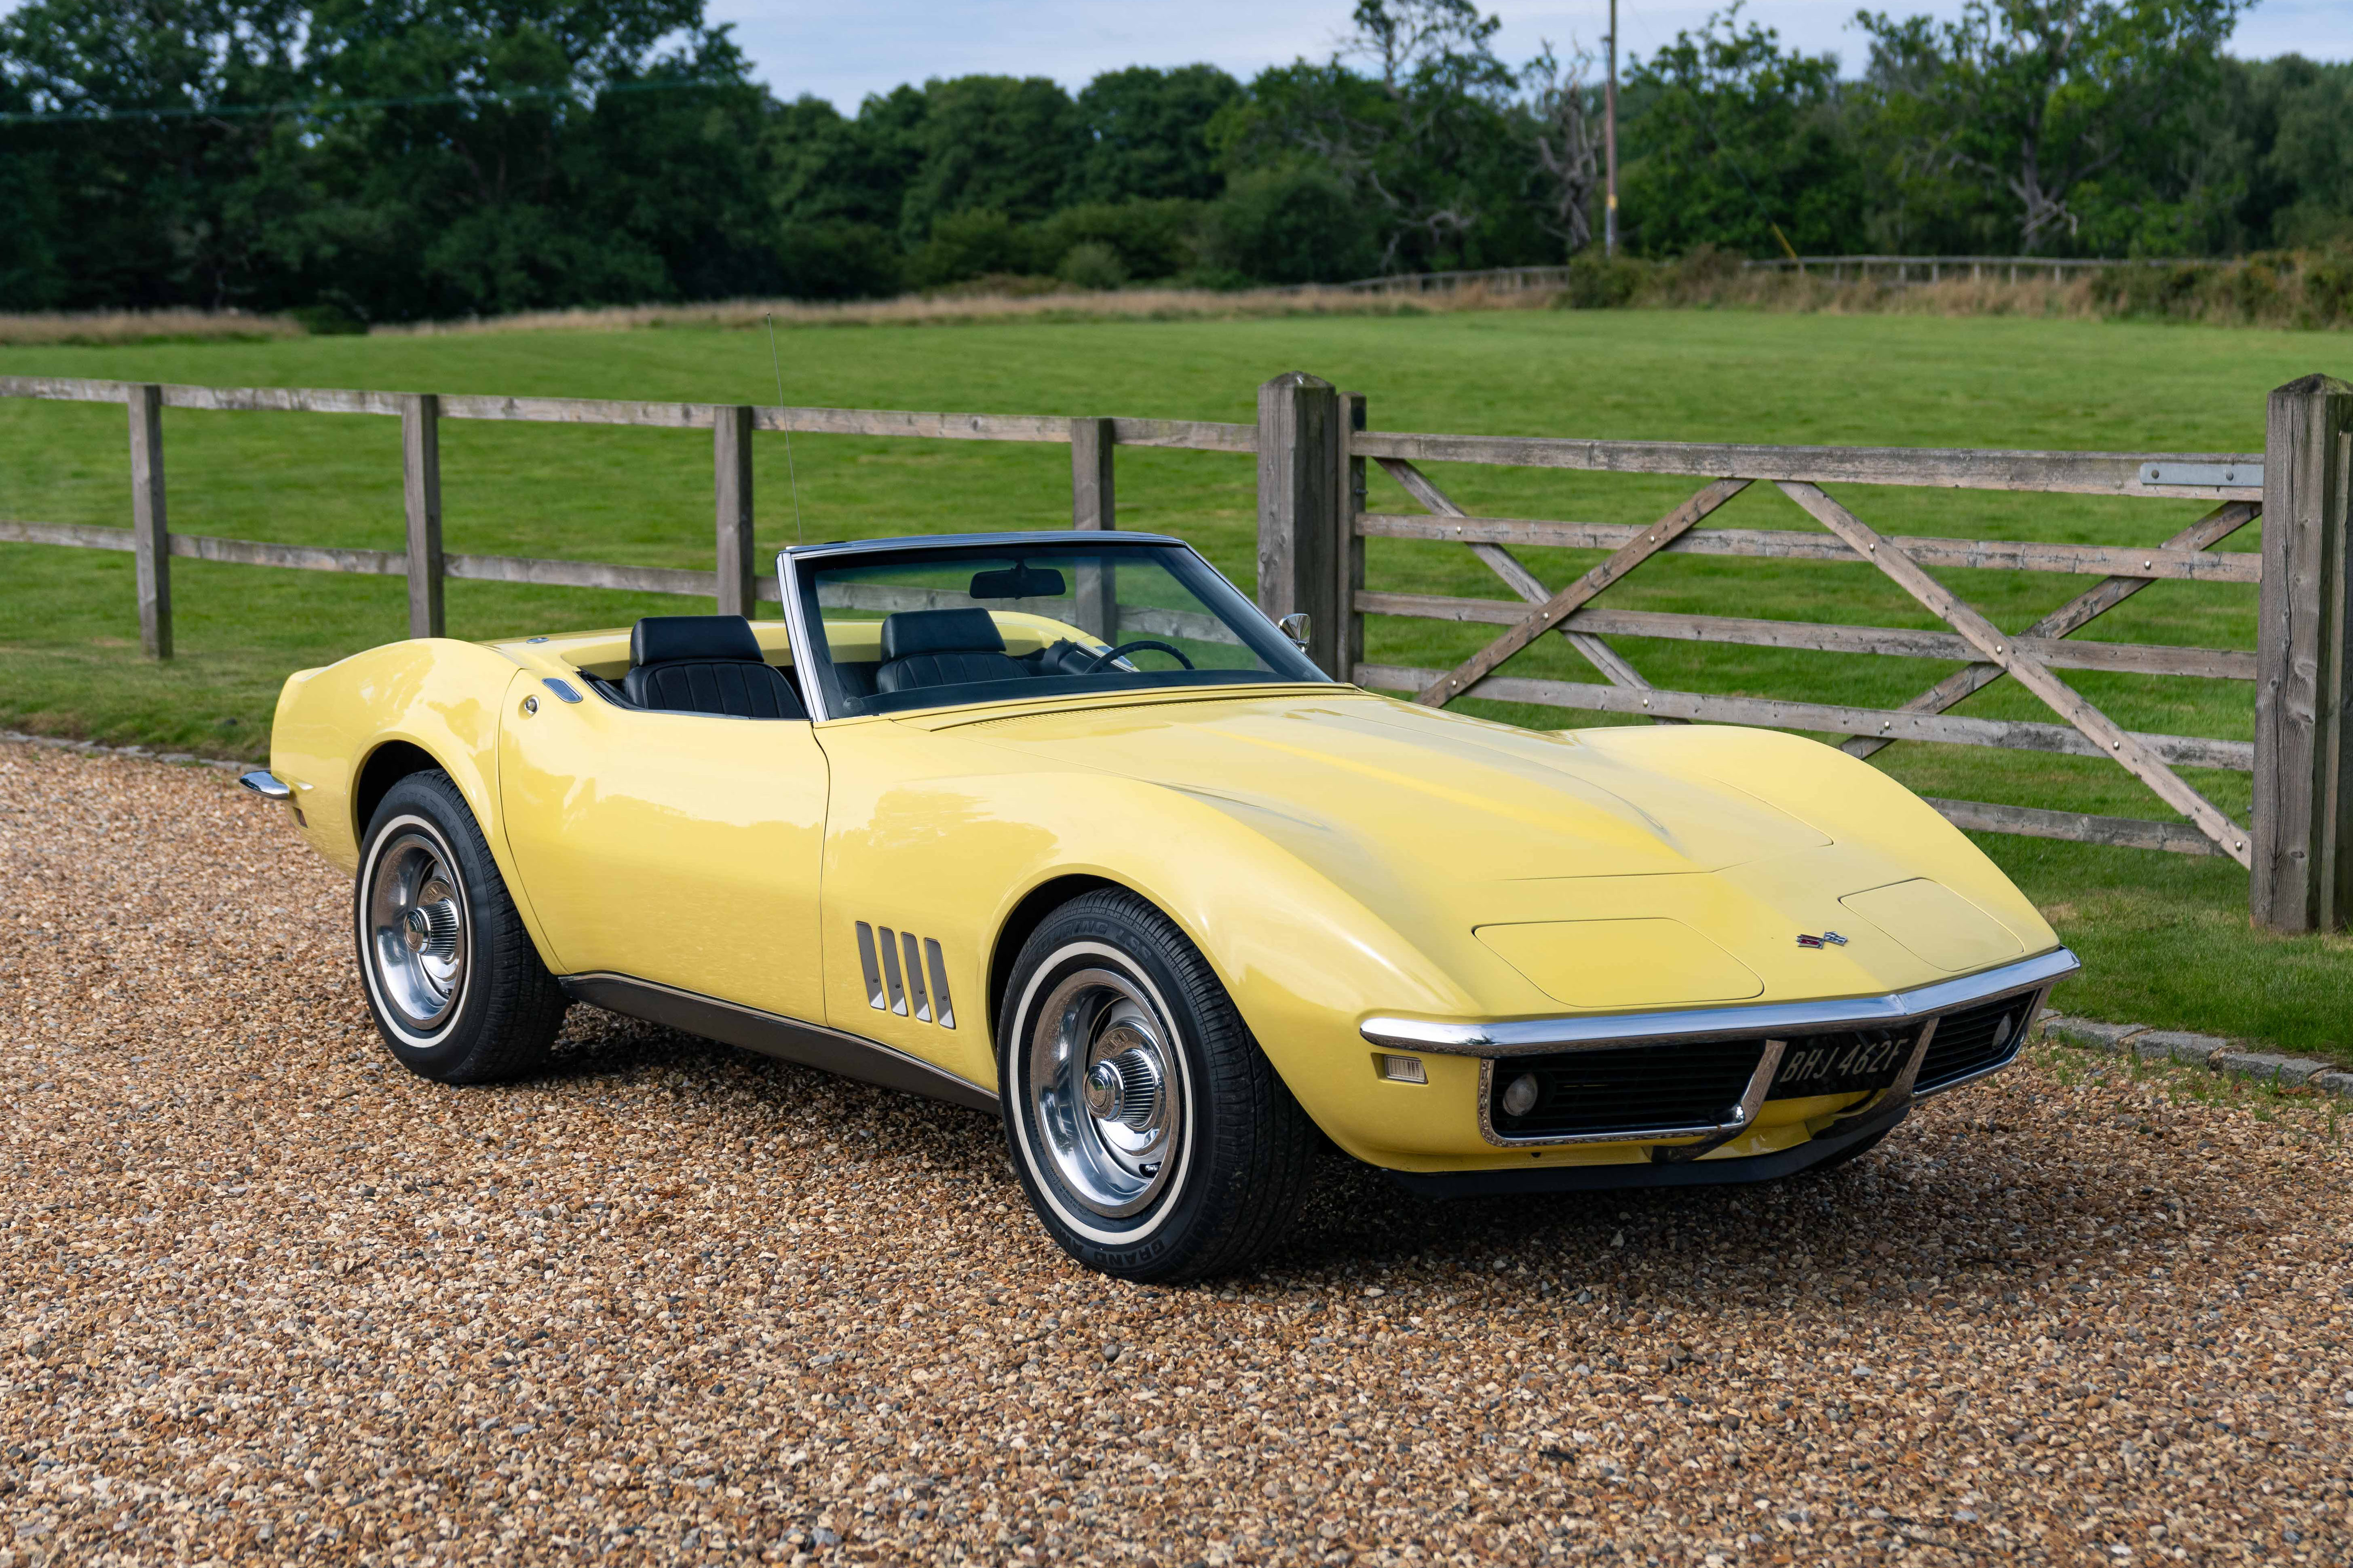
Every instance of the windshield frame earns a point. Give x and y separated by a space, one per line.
798 568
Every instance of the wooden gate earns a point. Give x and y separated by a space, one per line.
1313 453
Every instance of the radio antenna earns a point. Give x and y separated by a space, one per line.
791 478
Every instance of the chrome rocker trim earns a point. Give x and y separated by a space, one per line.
1539 1037
265 785
771 1033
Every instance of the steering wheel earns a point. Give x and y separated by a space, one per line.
1109 654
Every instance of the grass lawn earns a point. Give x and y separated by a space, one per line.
2165 937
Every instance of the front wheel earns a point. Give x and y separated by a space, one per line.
455 987
1153 1138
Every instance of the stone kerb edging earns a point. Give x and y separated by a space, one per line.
2209 1051
58 743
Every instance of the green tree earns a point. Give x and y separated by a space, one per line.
1145 135
139 204
1729 137
2077 116
2283 133
1431 143
990 143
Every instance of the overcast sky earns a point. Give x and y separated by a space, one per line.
844 52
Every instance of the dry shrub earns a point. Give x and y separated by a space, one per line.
2311 288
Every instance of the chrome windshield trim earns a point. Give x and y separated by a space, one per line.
921 542
797 637
1536 1037
803 638
266 785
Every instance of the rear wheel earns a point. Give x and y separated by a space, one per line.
457 989
1152 1137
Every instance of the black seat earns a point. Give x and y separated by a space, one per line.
942 647
706 664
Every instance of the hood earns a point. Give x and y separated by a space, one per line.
1442 792
1611 867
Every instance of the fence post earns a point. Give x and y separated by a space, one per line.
1348 639
1094 492
1095 507
1299 479
732 461
420 485
2303 870
151 536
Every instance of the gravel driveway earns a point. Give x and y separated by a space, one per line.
267 1296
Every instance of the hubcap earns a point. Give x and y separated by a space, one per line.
417 930
1102 1068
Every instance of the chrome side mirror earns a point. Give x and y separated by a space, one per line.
1295 626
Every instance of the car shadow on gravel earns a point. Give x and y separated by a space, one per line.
1882 1227
1357 1226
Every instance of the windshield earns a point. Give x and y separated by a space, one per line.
934 627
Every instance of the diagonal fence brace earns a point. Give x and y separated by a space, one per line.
1558 608
1522 582
1997 648
2066 620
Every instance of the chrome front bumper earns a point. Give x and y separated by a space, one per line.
1775 1023
1538 1036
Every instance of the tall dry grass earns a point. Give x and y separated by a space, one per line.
114 327
2310 290
1016 302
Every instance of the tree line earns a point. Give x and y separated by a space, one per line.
361 161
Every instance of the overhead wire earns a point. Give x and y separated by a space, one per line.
337 105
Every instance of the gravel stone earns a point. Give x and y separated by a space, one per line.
2092 1032
270 1298
2180 1046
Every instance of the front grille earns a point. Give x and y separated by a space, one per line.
1975 1038
1625 1089
1694 1087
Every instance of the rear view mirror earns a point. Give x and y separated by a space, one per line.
1017 583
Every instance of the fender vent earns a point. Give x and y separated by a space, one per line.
894 964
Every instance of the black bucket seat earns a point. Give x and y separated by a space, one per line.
942 647
706 664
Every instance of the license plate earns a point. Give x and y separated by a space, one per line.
1839 1064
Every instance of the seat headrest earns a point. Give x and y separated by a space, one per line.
910 632
660 639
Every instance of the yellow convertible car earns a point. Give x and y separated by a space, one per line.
1058 826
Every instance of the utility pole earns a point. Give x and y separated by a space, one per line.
1610 139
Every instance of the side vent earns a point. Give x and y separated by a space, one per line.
893 964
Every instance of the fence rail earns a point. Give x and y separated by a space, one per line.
1910 271
1313 453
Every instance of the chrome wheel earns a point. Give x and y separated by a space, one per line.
416 932
1103 1090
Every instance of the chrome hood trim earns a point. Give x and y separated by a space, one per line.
1531 1037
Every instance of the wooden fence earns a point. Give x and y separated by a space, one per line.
1312 447
1908 271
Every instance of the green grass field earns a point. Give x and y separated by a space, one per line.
2165 937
